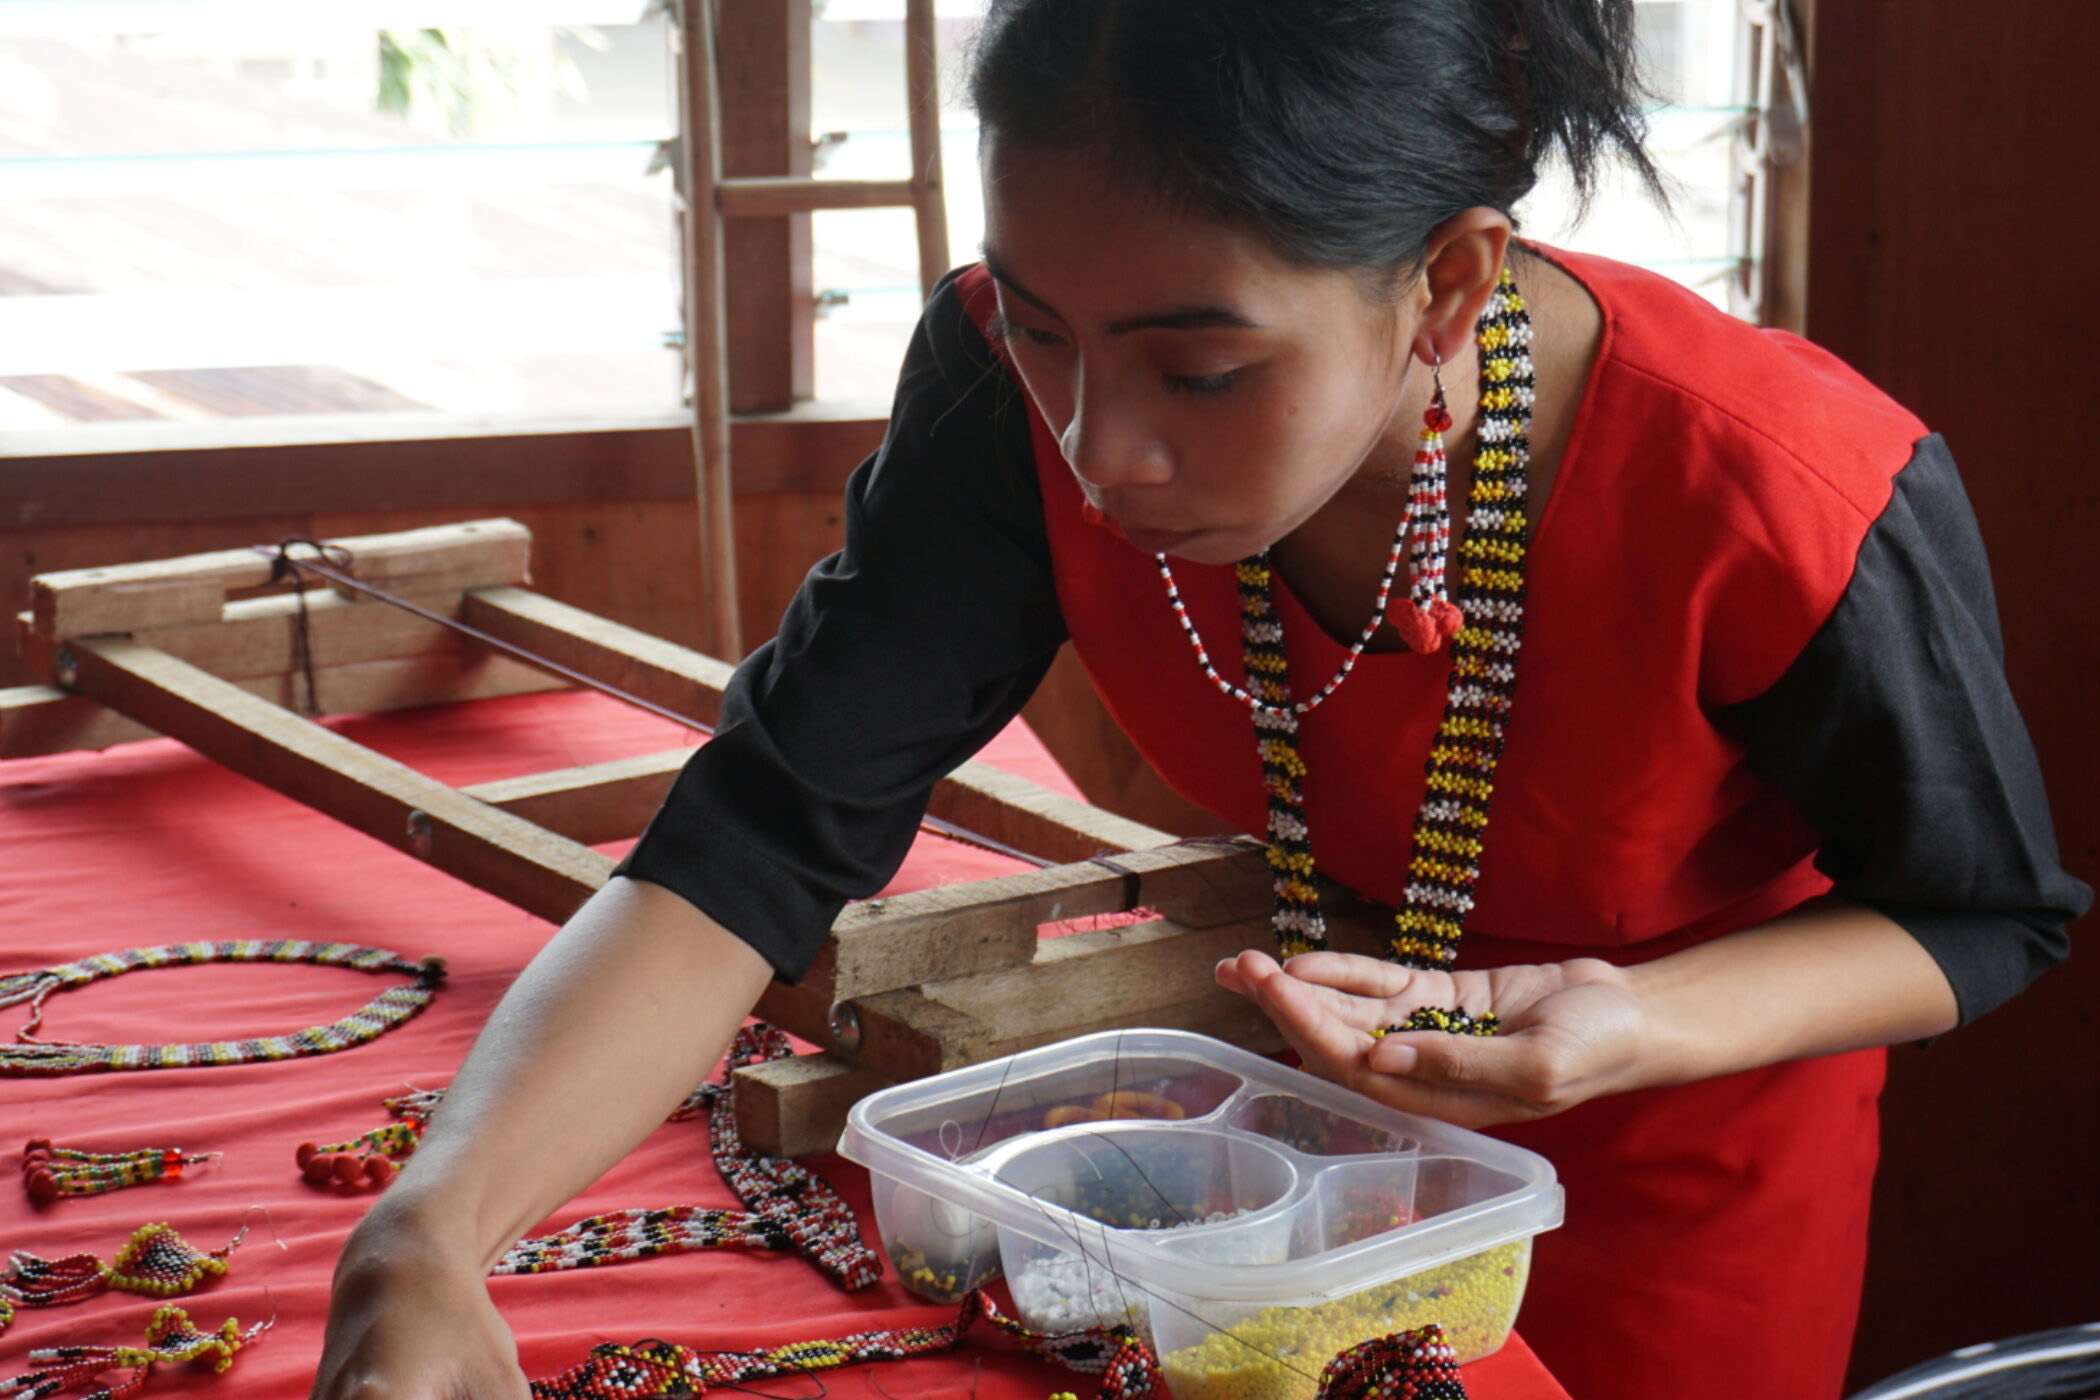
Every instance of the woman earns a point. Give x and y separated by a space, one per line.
1760 799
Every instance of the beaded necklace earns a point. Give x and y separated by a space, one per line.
1416 1365
1444 865
378 1016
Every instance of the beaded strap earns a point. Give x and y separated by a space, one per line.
389 1009
655 1368
619 1236
1299 925
1417 1365
1444 867
782 1191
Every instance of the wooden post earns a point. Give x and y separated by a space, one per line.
922 94
706 329
763 54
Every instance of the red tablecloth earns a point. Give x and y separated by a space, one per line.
150 844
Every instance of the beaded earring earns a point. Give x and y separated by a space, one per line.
170 1336
49 1172
155 1261
1430 619
375 1156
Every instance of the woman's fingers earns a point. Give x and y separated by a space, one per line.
1325 1025
1354 973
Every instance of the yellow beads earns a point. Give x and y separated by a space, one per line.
1278 1353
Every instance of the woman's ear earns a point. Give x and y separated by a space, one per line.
1460 267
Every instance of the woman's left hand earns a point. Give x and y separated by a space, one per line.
1570 1031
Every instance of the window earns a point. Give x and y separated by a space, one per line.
214 208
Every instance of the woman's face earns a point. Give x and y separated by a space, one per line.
1208 396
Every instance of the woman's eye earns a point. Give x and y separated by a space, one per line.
1202 383
1003 329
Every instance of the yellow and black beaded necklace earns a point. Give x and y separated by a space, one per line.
1486 629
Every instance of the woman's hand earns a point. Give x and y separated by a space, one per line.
1570 1031
410 1319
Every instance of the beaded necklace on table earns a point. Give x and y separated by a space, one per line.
1417 1365
378 1016
1444 864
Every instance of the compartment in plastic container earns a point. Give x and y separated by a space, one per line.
1213 1348
939 1247
1202 1193
1312 1129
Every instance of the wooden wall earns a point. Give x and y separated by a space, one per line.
1955 185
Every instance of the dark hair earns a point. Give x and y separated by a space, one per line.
1344 131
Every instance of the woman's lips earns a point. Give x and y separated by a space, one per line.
1137 536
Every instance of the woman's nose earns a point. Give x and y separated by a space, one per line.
1108 445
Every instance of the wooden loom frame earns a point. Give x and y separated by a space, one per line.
904 986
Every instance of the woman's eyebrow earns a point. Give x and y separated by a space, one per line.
1200 317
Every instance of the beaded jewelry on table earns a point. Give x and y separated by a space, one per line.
50 1171
170 1337
380 1015
1485 627
1416 1365
787 1206
155 1261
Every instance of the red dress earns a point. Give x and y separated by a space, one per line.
1705 521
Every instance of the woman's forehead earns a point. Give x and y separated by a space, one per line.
1064 234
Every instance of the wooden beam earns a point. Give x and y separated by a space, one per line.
761 198
591 803
1000 805
247 467
257 636
681 680
191 590
797 1106
43 720
907 1035
507 856
1032 818
938 934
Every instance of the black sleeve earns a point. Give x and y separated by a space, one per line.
1896 736
899 657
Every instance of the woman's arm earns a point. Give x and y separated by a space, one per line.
1828 977
609 1027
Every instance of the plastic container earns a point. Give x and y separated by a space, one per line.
1249 1219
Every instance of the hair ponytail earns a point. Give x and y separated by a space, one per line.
1344 131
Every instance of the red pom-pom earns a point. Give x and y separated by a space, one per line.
319 1169
41 1185
378 1170
347 1168
306 1153
42 1145
1426 631
34 1157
